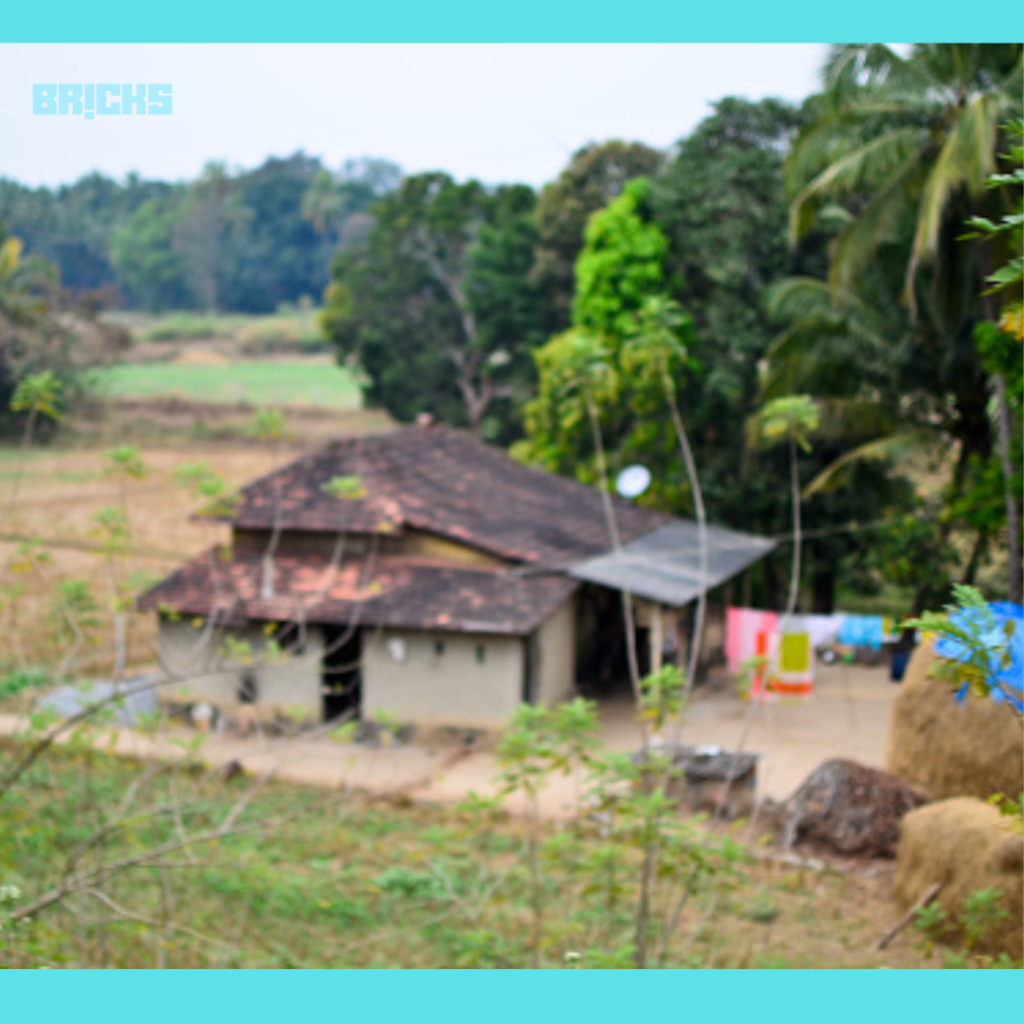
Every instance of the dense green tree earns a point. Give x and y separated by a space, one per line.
24 287
35 345
149 269
721 207
71 226
209 210
596 174
620 268
436 306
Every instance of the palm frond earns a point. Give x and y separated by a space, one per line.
893 447
967 158
795 298
860 420
867 164
858 242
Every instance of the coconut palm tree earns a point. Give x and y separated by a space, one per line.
657 346
908 144
791 419
905 138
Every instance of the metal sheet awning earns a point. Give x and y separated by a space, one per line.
665 565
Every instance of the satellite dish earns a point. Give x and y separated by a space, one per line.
633 481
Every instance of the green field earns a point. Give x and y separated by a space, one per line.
334 880
258 383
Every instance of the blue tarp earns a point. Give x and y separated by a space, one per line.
1005 653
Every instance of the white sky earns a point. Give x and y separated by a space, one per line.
496 112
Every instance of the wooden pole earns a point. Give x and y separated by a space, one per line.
657 637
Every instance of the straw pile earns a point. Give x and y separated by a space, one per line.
971 749
963 844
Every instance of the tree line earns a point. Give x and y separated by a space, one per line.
241 242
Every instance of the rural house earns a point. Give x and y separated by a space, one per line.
427 575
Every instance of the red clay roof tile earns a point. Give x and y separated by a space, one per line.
443 482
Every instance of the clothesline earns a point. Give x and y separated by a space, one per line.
747 629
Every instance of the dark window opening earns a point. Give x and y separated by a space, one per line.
481 654
439 647
248 690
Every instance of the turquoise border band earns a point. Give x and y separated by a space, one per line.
767 997
515 21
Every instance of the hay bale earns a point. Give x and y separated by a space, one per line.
849 808
971 749
964 845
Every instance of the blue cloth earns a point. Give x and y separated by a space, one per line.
1005 655
862 631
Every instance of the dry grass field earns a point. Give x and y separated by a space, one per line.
60 493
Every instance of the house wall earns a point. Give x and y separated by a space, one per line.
292 686
555 653
443 689
311 542
319 542
415 542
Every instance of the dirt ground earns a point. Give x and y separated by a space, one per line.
847 717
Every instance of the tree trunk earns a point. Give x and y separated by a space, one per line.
794 583
974 562
697 634
824 590
1003 430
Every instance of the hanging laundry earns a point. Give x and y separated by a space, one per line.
743 628
862 631
792 673
823 629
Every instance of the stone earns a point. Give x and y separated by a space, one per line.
850 809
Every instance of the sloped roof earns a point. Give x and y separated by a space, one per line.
665 564
401 591
441 481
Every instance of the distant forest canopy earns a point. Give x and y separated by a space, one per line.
246 241
242 241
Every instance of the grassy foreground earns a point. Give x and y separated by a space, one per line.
338 881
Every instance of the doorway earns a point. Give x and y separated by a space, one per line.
341 672
602 659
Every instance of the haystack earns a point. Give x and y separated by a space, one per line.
963 844
975 748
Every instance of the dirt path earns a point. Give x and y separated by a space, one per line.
847 717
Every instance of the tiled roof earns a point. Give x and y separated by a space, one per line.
402 592
438 480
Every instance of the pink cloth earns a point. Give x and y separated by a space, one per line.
742 626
